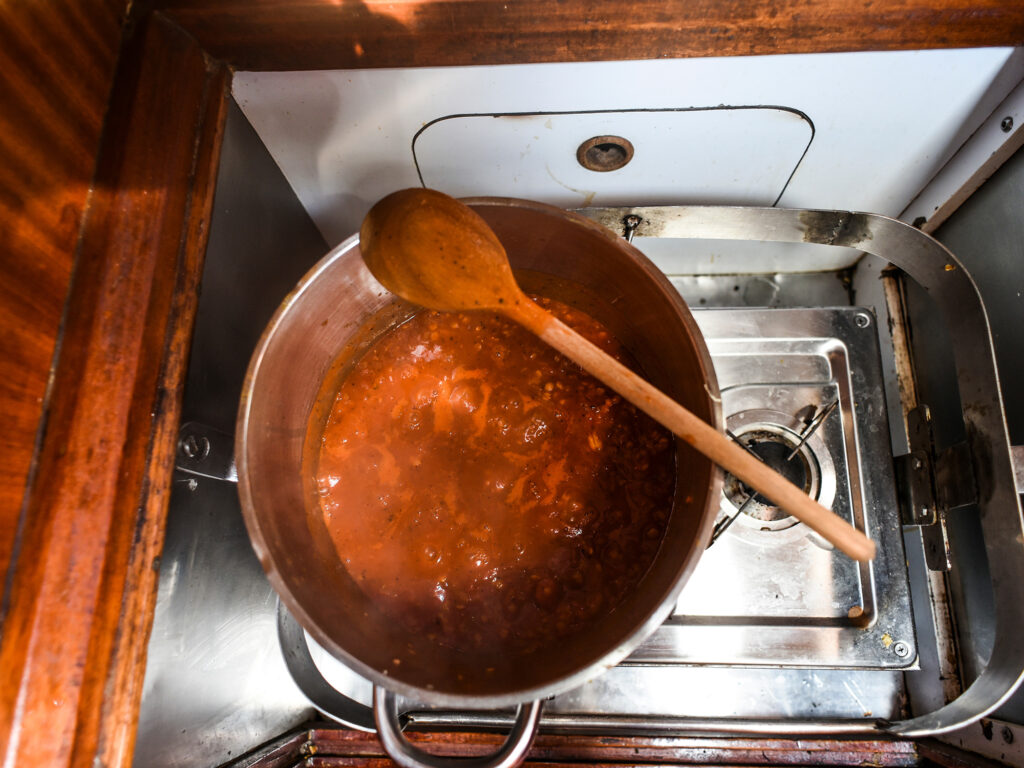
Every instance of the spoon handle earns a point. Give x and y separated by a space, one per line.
694 430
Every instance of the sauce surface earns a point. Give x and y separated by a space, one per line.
484 490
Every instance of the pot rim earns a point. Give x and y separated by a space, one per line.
555 686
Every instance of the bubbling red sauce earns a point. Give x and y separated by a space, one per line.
485 491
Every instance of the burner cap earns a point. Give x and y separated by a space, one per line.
775 453
773 448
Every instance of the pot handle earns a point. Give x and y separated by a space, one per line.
511 753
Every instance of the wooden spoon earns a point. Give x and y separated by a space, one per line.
434 251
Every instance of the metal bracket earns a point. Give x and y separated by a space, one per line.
207 452
1017 454
955 484
914 484
931 485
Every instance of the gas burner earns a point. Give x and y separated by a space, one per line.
778 449
790 445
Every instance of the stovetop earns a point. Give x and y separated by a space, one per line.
773 624
801 388
774 633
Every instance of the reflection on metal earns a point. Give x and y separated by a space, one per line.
321 694
811 289
944 277
631 699
707 700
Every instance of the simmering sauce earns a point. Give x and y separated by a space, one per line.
485 491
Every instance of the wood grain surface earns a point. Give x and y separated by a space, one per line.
343 34
57 61
333 746
73 644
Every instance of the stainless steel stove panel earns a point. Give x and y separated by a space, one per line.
692 697
637 699
773 592
762 635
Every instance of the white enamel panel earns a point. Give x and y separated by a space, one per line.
884 124
688 156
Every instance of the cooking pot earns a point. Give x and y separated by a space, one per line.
335 313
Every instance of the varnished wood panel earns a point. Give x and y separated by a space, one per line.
340 748
57 61
342 34
73 644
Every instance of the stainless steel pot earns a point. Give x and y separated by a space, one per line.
321 326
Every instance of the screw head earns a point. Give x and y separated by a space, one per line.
1006 124
195 447
862 320
901 649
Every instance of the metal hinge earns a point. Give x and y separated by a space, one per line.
207 452
1017 455
930 485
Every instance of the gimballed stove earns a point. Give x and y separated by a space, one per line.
775 633
773 620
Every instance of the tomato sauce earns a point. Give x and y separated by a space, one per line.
483 490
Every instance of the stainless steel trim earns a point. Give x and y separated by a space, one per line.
510 754
611 725
995 739
321 694
939 272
